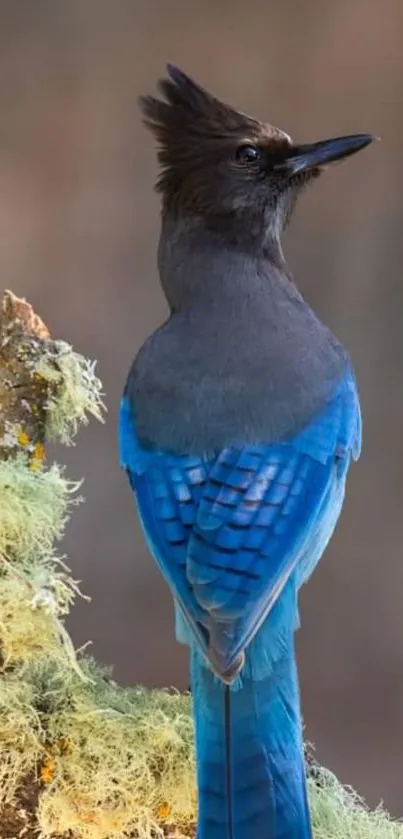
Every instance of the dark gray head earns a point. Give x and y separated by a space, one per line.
223 166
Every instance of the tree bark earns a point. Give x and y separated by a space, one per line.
24 393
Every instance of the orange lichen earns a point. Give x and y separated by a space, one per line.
23 438
38 456
47 772
88 818
164 811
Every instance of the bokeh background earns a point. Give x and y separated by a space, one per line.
78 231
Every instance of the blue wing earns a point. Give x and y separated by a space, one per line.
229 531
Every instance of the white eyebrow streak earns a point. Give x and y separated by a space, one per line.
285 135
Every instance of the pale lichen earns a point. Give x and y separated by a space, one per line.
29 629
113 762
33 510
339 813
77 392
21 735
125 754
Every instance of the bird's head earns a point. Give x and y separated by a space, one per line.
227 168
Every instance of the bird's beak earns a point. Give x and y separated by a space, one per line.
315 155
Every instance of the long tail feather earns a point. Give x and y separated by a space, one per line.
250 764
228 760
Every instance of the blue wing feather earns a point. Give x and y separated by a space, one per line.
229 531
239 568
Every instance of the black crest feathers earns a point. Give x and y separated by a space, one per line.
189 123
190 109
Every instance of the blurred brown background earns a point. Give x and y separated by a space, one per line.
79 226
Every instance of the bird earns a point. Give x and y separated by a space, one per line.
239 420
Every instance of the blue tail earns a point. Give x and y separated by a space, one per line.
249 748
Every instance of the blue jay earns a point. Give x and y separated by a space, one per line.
238 423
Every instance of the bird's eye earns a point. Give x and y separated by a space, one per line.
247 153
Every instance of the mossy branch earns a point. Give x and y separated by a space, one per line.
79 755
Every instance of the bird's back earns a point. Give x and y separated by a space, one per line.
254 370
